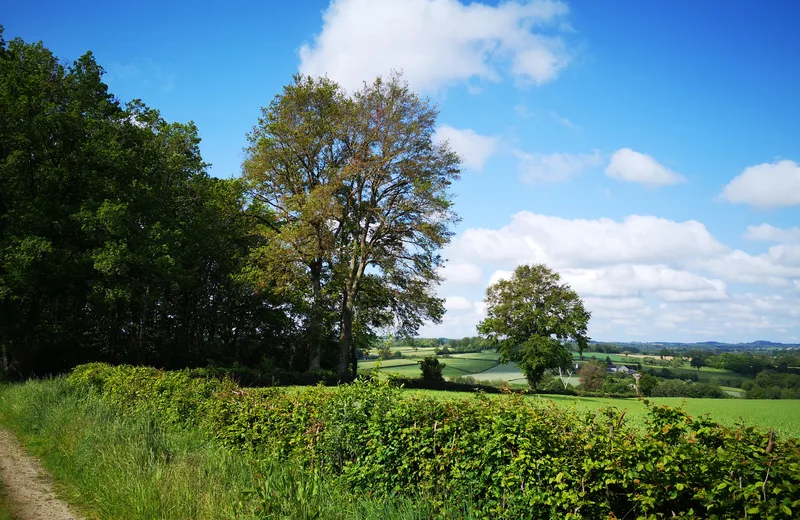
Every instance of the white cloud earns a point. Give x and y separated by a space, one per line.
459 321
631 166
600 304
458 303
561 242
536 167
766 186
628 281
437 43
462 273
500 275
776 268
642 277
563 121
474 149
769 233
785 254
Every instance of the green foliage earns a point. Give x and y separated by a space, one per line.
509 456
619 386
114 242
647 383
530 319
592 375
113 464
678 388
431 369
5 508
360 196
774 385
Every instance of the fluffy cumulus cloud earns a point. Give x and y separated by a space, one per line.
632 166
474 149
462 273
561 242
766 186
535 168
776 268
628 281
770 233
438 42
642 277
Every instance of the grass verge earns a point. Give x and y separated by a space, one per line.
5 512
115 467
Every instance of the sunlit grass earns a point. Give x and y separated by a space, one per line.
5 512
781 415
113 467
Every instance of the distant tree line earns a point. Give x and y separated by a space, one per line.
770 384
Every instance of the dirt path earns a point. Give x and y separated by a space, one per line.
28 486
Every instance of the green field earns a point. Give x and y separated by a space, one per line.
782 415
485 366
462 365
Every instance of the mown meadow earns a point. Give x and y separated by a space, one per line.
781 415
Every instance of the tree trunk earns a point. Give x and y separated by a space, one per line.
353 360
4 365
346 337
315 327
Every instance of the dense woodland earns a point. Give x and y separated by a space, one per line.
116 245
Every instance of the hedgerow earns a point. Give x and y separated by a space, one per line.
507 455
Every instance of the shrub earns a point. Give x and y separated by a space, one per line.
431 369
510 456
464 380
592 375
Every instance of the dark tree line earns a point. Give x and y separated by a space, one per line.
116 245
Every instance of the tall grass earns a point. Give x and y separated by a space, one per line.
5 513
114 467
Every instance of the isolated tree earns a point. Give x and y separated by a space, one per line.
431 368
697 362
396 208
592 375
646 384
531 318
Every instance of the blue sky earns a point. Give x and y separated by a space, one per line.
647 151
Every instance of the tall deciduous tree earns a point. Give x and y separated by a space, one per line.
360 192
592 375
294 168
397 210
532 317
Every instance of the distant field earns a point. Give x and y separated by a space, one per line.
462 365
781 415
615 358
485 366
